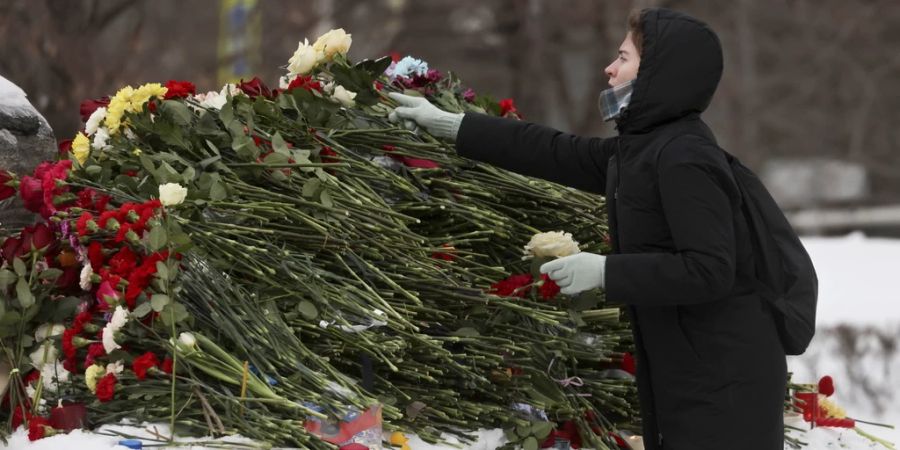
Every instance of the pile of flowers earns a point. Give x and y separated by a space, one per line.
242 260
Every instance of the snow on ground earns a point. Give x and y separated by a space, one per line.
856 343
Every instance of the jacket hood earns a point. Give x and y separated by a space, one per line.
681 65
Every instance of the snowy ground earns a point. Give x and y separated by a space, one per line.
859 331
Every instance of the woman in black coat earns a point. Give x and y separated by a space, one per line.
711 371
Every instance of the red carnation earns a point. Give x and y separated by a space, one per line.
305 82
20 415
254 88
549 289
68 347
167 365
143 363
826 386
95 255
106 387
95 351
510 287
89 106
82 224
123 262
179 89
38 428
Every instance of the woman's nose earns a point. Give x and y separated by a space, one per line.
609 71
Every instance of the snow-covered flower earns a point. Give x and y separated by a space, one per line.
409 66
48 330
171 194
85 280
92 375
343 96
53 375
553 244
304 59
332 43
45 353
93 122
81 148
101 138
211 100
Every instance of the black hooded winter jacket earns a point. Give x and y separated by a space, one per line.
711 371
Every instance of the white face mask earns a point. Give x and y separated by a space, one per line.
614 100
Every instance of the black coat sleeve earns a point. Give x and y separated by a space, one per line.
698 195
536 151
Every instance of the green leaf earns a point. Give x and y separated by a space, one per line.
523 429
11 318
19 266
173 311
510 434
586 300
245 148
311 187
50 274
64 309
217 191
2 310
541 430
178 111
157 238
279 145
308 310
162 270
325 198
23 292
93 170
159 301
466 332
142 310
188 175
7 278
530 443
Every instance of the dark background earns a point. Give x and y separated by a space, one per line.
806 81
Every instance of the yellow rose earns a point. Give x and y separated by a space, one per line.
333 42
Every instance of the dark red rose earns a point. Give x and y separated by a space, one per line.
143 363
179 89
254 88
305 82
11 248
826 386
32 192
7 188
628 363
106 387
89 106
65 147
507 106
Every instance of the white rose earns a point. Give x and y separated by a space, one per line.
85 280
554 243
119 318
187 339
171 194
211 100
304 60
344 96
44 354
93 122
109 339
333 42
